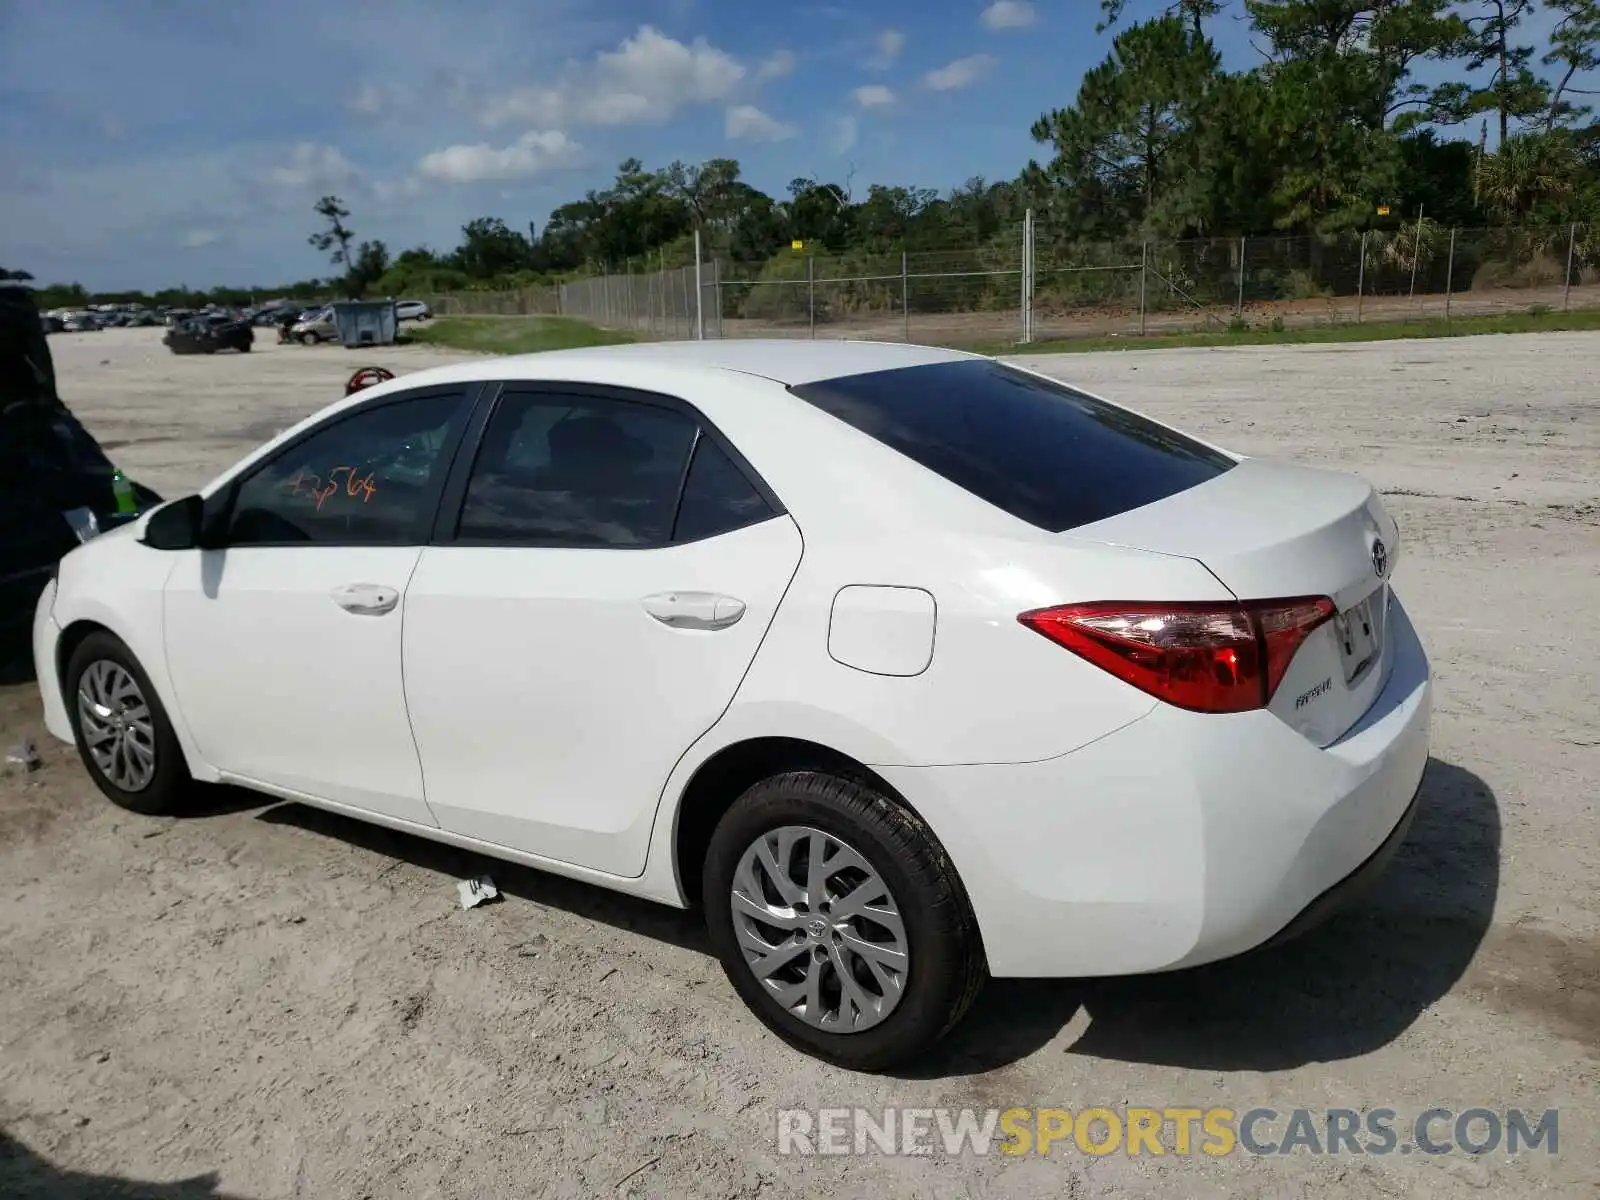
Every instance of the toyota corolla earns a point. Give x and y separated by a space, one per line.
909 666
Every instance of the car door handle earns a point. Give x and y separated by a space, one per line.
694 610
366 599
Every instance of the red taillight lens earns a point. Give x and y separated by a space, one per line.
1204 656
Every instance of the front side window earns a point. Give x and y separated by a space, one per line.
369 479
577 470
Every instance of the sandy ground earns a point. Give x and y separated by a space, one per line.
265 1001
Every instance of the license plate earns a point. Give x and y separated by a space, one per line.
1360 635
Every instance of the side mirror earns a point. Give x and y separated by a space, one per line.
176 526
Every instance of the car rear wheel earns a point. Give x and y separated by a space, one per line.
309 339
840 920
123 735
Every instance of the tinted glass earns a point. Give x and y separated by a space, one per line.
370 479
577 471
717 498
1035 448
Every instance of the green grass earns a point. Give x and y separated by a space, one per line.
1375 331
515 335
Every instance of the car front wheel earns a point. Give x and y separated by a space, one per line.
124 737
840 921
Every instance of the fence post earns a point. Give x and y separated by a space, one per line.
1450 275
1238 308
716 284
1144 273
1361 277
683 278
1416 253
1025 334
811 292
699 293
1566 289
905 302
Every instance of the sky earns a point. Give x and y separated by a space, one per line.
147 143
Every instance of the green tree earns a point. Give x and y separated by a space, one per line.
371 262
1528 171
1512 91
1575 48
333 241
1127 148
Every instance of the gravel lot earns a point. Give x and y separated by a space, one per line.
266 1001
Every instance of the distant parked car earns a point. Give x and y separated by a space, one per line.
142 319
315 326
207 335
80 322
412 310
51 323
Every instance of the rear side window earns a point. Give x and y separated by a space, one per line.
1038 449
717 498
577 471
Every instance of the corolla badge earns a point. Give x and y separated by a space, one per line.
1380 558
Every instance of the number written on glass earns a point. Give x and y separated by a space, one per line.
346 480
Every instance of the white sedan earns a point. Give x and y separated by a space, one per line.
909 666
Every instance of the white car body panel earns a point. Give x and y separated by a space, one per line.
256 630
550 706
1095 829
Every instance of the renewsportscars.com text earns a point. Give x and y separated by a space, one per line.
1179 1131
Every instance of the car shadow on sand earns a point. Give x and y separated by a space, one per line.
27 1175
588 901
1346 988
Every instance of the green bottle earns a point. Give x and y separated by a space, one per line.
122 490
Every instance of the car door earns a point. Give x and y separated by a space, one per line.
284 634
587 611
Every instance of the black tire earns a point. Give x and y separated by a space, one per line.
244 347
169 787
946 967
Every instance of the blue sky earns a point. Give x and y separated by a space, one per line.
153 142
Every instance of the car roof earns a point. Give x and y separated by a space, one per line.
791 361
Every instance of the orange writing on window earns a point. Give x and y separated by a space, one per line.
340 479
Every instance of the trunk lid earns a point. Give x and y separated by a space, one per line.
1272 530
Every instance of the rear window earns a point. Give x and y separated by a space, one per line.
1038 449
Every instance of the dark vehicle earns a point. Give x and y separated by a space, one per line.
208 334
56 483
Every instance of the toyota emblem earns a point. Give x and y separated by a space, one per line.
1380 558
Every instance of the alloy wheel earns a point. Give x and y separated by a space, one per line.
117 726
819 929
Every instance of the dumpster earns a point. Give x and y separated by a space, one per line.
365 323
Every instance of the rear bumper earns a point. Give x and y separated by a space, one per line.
1181 838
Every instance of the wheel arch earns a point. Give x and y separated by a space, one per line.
79 629
734 769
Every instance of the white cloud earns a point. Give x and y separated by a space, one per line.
749 123
392 191
196 238
369 101
646 79
313 166
530 154
776 66
890 42
959 74
1008 14
873 95
844 135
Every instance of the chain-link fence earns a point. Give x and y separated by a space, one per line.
1037 282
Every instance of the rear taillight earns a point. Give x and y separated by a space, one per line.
1209 657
